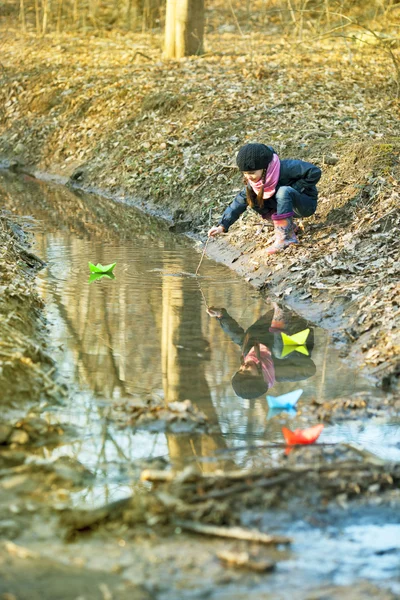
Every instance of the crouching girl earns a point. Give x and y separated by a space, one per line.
276 189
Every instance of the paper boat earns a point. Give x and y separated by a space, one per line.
284 401
273 412
297 339
96 276
100 268
302 436
289 349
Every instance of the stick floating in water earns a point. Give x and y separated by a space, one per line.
302 436
297 339
100 268
202 256
284 401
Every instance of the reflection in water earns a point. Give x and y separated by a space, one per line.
265 359
143 333
184 353
97 276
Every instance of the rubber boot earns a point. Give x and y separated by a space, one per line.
284 233
280 319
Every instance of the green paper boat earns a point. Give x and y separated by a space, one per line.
100 268
96 276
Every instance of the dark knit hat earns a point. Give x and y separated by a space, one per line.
247 386
253 157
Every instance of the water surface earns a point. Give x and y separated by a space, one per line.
147 333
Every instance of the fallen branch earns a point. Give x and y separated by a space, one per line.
244 487
269 445
237 533
244 560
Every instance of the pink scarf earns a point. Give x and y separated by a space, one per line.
267 364
271 178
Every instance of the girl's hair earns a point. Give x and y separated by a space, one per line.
254 200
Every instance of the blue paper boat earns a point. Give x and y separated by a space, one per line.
285 401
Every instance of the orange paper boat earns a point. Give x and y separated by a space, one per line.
302 436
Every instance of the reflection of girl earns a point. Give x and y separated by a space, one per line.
263 360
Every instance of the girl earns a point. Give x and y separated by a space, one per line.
276 189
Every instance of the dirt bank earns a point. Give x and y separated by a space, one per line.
26 373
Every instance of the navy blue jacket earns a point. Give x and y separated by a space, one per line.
300 175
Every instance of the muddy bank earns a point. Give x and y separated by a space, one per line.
318 478
27 368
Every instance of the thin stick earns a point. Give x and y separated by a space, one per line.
238 533
274 445
244 560
202 256
237 488
204 298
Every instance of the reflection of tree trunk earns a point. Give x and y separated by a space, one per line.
76 318
321 387
172 302
184 352
110 342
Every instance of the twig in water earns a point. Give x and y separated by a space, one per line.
237 488
202 256
273 445
244 560
238 533
202 293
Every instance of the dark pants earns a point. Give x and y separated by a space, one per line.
289 200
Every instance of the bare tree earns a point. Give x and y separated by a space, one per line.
184 28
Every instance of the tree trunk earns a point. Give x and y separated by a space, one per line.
22 15
37 17
184 28
45 15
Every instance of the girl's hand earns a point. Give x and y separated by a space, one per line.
215 312
216 230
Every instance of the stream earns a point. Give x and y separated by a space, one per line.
147 333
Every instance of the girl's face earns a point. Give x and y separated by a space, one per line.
250 368
253 175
